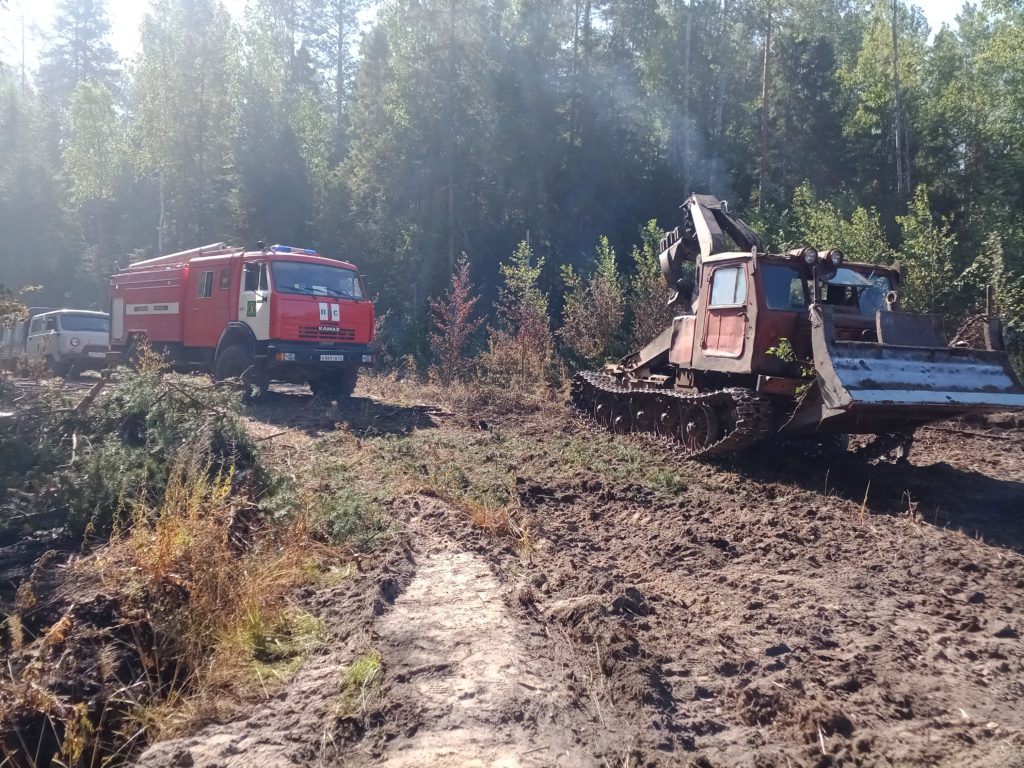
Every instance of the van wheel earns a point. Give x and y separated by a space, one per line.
59 369
235 362
336 385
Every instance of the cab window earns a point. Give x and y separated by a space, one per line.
256 277
51 323
784 288
204 287
728 287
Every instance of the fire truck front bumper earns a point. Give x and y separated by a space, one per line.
303 355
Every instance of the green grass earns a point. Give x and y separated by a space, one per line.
481 467
278 650
360 681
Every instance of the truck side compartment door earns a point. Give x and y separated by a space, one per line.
201 299
725 323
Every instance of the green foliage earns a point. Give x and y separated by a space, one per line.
521 347
360 681
460 126
592 316
86 468
990 268
646 299
821 224
783 351
181 103
927 256
94 149
521 294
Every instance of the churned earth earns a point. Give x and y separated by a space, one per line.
553 595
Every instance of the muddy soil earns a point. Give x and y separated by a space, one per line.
779 611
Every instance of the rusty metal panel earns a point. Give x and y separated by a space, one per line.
682 340
725 334
779 385
910 330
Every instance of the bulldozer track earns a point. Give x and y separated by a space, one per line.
751 413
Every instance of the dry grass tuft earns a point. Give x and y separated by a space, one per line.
210 569
505 521
204 617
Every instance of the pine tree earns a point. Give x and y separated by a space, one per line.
454 325
79 52
521 345
183 120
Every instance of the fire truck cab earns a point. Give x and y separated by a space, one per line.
274 314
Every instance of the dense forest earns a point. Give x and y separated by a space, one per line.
410 135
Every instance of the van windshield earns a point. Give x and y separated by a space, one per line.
316 280
85 323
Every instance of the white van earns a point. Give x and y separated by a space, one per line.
13 332
69 339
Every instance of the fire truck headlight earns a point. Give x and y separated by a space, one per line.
367 358
286 357
75 342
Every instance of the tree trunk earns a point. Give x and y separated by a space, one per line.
899 124
450 136
340 94
687 122
720 91
765 84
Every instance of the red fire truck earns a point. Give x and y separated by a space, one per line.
274 314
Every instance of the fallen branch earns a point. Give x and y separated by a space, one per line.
271 437
91 396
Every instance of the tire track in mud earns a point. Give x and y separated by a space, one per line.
458 655
467 681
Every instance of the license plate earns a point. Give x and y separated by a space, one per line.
332 358
97 354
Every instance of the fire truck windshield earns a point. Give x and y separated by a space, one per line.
315 280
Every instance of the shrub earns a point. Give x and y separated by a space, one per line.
592 323
454 325
647 298
821 224
82 464
927 253
520 349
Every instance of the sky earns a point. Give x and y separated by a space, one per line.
125 16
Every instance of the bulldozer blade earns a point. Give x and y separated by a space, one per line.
875 388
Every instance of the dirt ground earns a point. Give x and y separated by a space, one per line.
774 610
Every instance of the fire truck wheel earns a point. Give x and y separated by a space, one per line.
337 386
235 362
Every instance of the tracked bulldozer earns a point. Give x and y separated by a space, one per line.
801 344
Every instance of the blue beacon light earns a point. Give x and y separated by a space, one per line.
290 249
